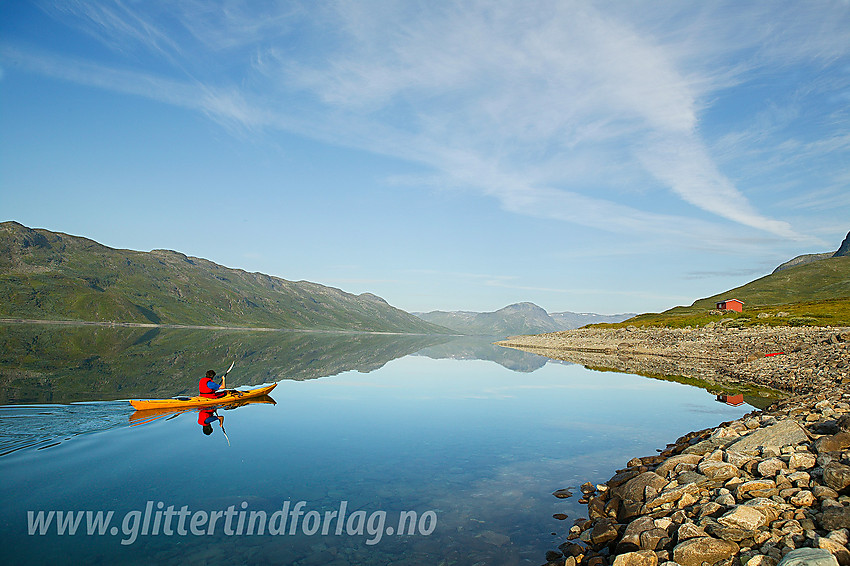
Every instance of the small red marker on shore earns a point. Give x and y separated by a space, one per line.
773 354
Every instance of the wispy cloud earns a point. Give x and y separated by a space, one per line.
558 109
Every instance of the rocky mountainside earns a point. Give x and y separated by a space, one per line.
519 318
843 250
53 276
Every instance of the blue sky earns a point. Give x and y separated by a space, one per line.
586 156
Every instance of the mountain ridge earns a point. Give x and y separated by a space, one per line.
843 250
52 275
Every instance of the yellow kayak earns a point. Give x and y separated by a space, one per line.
144 416
181 402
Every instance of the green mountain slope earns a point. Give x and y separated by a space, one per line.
53 276
815 293
819 280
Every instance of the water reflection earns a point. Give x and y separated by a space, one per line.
482 348
145 416
481 446
44 364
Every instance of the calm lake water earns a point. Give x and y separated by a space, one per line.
462 440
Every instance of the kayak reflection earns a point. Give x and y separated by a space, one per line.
145 416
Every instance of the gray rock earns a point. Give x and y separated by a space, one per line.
639 558
635 488
733 534
833 443
770 467
823 492
809 557
728 500
836 475
755 488
802 461
604 531
835 518
837 549
686 478
688 531
783 433
743 517
630 540
718 470
709 445
803 498
670 463
654 539
695 551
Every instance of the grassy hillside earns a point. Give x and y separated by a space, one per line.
53 276
815 294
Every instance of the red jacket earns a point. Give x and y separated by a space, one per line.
207 391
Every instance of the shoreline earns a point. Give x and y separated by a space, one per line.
766 489
111 324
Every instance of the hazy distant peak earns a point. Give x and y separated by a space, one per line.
518 318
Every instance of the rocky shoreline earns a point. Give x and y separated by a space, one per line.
772 487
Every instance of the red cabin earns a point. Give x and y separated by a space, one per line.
731 305
733 400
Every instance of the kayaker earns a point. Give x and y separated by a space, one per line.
206 417
209 388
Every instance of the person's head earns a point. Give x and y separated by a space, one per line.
208 429
210 373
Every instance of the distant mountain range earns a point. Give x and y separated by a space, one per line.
519 318
53 276
843 250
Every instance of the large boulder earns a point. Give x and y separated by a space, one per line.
635 488
682 460
833 443
630 541
695 551
743 517
639 558
835 518
783 433
836 475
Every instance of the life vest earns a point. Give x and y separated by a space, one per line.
206 391
204 415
